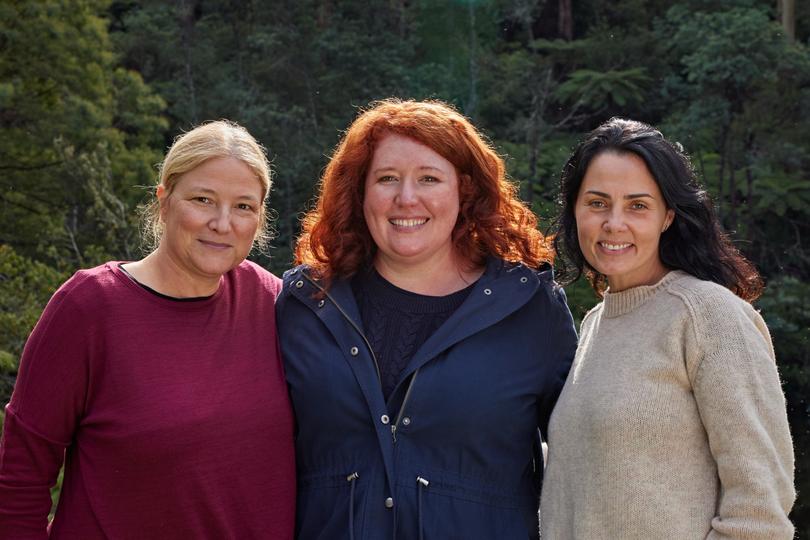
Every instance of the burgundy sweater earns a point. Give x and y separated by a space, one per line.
172 417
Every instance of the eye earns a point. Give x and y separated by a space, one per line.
596 203
388 179
245 206
430 180
638 205
203 200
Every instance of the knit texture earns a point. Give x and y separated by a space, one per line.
672 422
397 322
172 417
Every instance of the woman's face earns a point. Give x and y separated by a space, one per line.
211 217
411 204
620 215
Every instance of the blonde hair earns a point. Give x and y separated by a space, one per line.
221 138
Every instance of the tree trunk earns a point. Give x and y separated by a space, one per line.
721 172
472 100
188 20
787 12
565 20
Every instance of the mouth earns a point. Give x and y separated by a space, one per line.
614 246
408 223
214 245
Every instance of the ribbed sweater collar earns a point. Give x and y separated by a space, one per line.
619 303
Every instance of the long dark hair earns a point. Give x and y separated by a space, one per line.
694 243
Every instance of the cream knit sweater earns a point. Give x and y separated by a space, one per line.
672 422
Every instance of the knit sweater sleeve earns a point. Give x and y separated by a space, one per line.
741 404
48 399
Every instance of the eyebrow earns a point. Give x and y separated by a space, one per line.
422 168
210 191
627 197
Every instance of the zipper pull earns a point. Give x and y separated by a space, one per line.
394 432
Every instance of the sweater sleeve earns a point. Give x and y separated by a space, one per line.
741 404
43 413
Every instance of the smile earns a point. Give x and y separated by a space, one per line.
614 247
408 223
215 245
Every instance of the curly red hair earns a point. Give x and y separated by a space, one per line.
335 241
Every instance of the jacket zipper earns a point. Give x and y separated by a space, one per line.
402 406
373 357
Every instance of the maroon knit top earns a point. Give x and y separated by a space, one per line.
172 417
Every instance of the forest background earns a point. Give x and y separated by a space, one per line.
92 93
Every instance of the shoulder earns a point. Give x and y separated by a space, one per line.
541 280
89 287
708 301
251 273
590 318
82 299
718 315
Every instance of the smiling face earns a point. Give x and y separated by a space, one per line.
411 204
210 218
620 215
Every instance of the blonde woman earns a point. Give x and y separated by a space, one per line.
158 382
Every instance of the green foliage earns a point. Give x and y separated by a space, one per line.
25 287
595 88
786 308
69 119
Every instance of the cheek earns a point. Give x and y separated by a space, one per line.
585 226
373 206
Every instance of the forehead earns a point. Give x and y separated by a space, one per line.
619 173
395 149
221 174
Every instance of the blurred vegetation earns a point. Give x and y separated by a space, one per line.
92 92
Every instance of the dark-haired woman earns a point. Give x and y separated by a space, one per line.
672 422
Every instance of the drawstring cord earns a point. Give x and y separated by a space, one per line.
420 483
351 479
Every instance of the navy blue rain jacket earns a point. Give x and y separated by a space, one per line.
454 453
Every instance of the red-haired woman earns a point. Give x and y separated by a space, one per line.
424 340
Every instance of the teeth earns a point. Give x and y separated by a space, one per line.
614 247
408 222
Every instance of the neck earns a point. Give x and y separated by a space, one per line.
430 278
160 272
654 276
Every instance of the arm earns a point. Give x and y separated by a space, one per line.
561 339
40 420
742 407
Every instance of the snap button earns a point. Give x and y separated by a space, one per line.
299 284
384 419
321 303
389 502
406 421
524 279
354 351
487 291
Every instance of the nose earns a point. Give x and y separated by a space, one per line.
406 196
221 220
614 221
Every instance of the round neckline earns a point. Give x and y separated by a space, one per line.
190 304
619 303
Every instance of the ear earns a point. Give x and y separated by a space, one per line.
669 219
163 200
